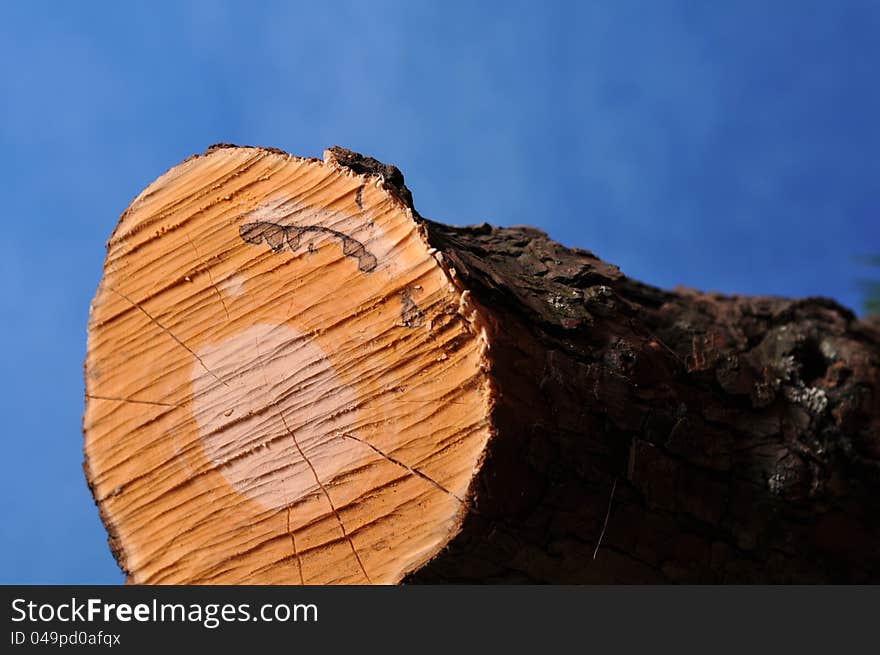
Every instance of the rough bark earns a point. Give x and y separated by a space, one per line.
652 436
725 439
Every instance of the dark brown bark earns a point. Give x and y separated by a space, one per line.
661 436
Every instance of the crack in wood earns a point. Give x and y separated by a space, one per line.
170 334
278 236
284 482
132 400
293 545
412 470
210 277
317 479
326 495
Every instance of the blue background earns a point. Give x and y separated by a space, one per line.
727 148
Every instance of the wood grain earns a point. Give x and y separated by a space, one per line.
283 383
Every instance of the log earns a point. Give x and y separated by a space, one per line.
292 377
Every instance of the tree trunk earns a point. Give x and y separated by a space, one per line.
292 377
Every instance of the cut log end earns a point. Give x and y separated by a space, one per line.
284 382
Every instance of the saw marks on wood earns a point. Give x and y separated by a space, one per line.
283 385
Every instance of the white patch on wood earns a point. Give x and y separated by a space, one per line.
284 399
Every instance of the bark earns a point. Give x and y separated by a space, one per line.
724 439
641 435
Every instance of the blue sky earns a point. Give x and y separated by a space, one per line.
731 148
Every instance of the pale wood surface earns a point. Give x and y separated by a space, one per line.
267 403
